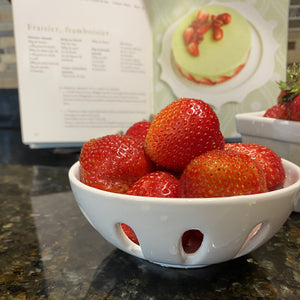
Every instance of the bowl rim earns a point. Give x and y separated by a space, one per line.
74 171
258 115
255 125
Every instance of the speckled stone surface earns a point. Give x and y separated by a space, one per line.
49 251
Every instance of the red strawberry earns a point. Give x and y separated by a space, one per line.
181 131
222 173
224 18
156 184
113 162
293 108
193 48
290 92
203 28
202 16
129 233
188 35
217 33
267 158
277 111
217 22
139 130
191 240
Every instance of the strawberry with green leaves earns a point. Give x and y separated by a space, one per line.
181 131
222 173
290 96
266 157
113 162
288 107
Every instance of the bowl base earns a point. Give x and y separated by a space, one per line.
177 266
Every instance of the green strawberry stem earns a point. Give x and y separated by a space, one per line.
291 86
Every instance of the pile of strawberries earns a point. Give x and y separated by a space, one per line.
288 102
181 153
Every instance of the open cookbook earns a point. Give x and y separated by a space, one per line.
87 68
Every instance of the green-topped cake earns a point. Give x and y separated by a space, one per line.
212 44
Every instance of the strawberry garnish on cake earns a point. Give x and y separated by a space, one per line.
194 34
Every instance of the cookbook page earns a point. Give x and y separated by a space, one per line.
84 68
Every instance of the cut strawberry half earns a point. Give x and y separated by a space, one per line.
202 29
188 35
202 16
193 48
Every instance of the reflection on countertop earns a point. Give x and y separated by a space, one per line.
49 251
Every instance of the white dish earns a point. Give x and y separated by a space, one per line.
258 70
232 226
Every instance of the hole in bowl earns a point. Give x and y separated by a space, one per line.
129 233
191 240
250 243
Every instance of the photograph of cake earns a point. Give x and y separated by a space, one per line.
219 51
211 45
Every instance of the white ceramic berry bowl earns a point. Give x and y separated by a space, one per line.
231 226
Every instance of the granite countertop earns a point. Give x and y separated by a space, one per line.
49 251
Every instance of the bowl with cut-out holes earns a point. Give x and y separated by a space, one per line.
221 228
